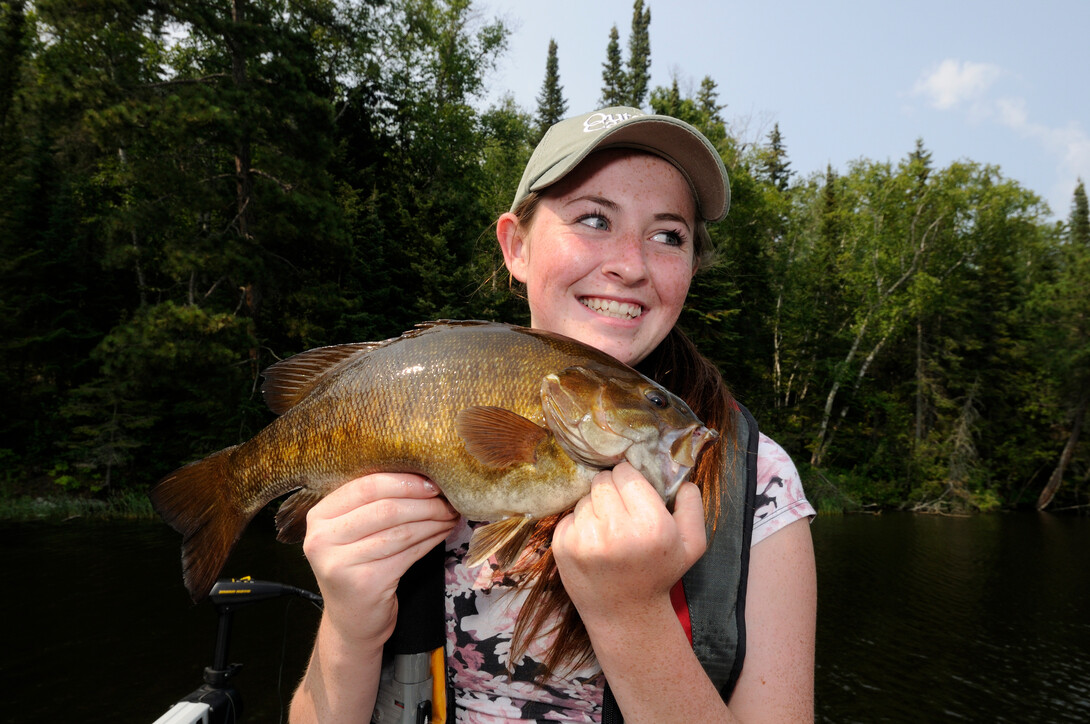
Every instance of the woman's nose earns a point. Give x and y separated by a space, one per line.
625 260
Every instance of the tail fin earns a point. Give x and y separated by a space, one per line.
196 501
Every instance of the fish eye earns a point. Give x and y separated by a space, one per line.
656 398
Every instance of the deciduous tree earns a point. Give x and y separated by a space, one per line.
1068 332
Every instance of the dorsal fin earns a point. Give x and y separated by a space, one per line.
289 381
498 437
432 324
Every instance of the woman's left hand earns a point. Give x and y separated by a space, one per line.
622 549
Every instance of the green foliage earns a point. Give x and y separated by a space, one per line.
14 42
614 81
638 66
192 191
776 167
628 83
125 505
551 106
1060 306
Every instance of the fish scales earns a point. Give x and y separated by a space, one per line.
462 403
410 409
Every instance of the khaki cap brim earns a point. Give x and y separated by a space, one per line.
570 141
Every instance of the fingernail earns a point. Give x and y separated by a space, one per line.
430 487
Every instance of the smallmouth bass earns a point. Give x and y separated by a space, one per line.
510 423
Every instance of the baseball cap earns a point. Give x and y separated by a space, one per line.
570 141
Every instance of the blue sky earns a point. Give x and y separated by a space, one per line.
996 82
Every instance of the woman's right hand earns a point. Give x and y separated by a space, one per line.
360 540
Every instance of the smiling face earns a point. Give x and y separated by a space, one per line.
608 255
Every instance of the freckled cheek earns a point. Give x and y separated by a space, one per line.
563 267
549 284
575 259
673 286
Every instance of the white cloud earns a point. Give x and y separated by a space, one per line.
1069 145
1012 113
964 86
952 82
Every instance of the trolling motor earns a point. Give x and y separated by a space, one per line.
217 701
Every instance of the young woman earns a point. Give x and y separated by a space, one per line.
606 232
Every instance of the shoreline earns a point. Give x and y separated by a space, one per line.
60 508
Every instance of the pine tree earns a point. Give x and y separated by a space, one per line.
614 81
198 207
711 119
1080 220
551 106
14 41
668 102
639 56
920 161
776 165
707 99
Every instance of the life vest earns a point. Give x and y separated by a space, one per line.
714 589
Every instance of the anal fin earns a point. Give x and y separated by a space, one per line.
291 518
504 539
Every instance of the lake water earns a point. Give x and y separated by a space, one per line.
926 618
921 619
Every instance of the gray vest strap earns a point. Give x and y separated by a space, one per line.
715 587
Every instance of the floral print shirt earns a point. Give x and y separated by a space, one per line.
481 616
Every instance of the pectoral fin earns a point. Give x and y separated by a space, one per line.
497 437
505 539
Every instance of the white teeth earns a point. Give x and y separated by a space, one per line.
611 308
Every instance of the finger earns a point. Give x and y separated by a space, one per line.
563 535
389 516
584 507
402 552
641 502
605 497
563 526
398 545
376 486
689 517
634 489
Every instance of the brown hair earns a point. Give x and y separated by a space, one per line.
677 365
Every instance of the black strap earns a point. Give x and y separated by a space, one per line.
611 713
421 606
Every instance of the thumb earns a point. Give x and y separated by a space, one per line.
689 518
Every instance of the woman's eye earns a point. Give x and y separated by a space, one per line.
595 221
670 238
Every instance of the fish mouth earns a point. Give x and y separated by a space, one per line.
612 308
685 446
